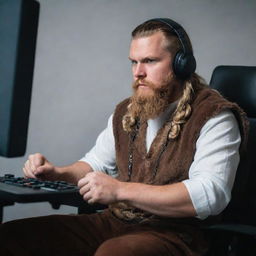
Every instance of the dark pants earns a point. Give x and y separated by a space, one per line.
100 234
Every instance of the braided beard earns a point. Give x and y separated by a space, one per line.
151 105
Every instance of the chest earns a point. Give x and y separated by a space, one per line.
160 163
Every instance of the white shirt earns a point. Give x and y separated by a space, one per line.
211 174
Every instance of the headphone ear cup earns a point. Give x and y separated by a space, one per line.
184 65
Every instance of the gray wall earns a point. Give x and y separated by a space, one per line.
82 69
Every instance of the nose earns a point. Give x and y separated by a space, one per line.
139 71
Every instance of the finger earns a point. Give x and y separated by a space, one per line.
27 169
91 201
36 160
27 173
41 170
28 165
90 177
82 182
88 197
31 162
85 189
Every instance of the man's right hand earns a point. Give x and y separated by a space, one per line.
37 166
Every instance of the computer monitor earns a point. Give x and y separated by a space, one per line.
18 32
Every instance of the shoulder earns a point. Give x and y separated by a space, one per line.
121 109
207 95
123 104
224 122
209 103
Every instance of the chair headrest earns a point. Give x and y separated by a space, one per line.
237 84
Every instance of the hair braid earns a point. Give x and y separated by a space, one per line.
128 120
182 111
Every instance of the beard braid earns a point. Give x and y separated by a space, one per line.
144 107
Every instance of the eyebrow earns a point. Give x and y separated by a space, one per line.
145 59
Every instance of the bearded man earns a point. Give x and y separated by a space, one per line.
165 164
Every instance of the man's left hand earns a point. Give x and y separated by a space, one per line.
98 187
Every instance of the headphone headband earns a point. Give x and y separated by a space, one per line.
184 63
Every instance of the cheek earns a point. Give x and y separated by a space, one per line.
160 76
155 74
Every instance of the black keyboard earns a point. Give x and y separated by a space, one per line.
21 190
35 184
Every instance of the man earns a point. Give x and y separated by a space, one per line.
165 163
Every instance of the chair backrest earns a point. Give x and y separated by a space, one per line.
238 84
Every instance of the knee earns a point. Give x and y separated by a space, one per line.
144 243
114 246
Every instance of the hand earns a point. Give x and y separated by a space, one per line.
98 187
37 166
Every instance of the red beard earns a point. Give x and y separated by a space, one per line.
149 106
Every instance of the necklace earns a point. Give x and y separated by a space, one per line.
133 136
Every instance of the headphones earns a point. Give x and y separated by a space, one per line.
184 63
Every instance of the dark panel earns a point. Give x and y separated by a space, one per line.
18 31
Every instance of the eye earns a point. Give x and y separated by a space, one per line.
149 60
133 62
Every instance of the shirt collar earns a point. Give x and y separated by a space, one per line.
166 114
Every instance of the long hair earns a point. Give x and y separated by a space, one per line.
190 85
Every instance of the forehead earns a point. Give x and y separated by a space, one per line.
149 45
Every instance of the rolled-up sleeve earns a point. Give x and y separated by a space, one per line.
102 156
212 173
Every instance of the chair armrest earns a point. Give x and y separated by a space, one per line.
234 228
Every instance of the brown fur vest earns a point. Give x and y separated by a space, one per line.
166 162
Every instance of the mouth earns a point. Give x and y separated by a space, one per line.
143 86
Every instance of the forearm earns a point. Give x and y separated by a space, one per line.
74 172
168 200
